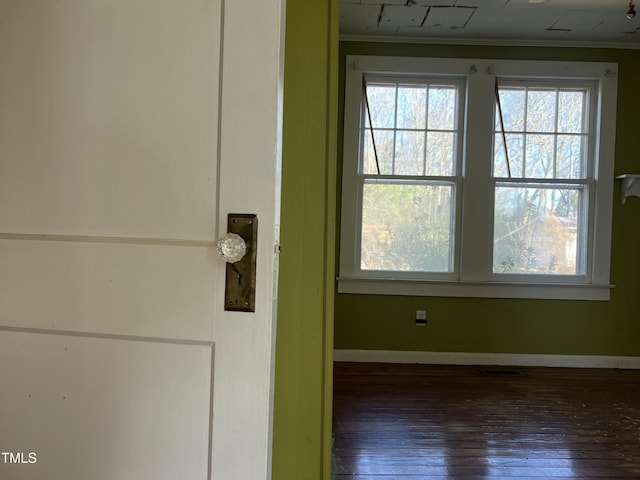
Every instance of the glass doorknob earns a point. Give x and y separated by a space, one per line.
232 247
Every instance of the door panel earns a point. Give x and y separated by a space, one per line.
104 408
124 288
109 117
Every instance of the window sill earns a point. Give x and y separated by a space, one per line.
563 291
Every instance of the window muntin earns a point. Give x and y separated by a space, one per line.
408 211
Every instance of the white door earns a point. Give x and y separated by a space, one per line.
129 129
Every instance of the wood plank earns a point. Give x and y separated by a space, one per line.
436 421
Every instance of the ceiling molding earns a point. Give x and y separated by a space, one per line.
487 42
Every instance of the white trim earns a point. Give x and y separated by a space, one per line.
504 359
422 288
474 277
47 237
494 42
107 336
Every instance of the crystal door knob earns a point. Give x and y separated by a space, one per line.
232 247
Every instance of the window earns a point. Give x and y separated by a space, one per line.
543 176
477 178
410 158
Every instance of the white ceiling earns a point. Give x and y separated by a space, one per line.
597 22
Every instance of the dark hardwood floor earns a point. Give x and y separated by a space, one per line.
411 422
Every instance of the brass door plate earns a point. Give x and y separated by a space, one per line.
240 286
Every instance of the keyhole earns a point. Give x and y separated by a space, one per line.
235 269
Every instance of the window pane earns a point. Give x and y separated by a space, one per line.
514 148
569 156
403 131
512 103
570 112
412 105
541 111
539 156
440 158
382 103
409 153
538 230
548 153
442 108
500 168
407 227
384 147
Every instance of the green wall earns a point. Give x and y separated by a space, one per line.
512 325
304 339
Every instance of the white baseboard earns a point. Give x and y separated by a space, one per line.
504 359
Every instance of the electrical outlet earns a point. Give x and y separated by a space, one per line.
421 318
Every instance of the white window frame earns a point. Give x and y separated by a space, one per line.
455 180
474 275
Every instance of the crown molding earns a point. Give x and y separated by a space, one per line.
489 42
